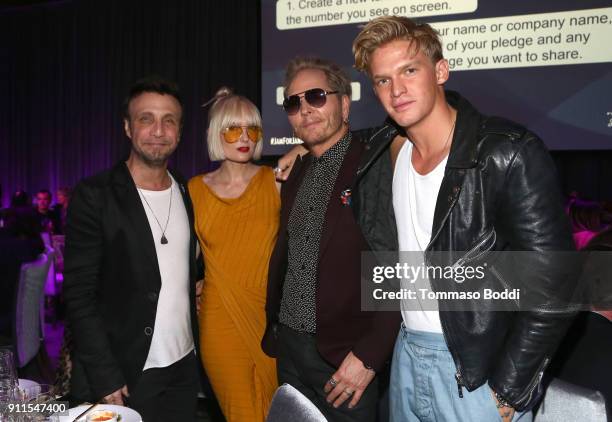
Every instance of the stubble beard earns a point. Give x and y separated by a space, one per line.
322 135
156 160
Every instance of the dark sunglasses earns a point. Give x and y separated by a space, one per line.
316 97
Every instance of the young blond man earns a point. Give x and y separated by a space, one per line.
452 179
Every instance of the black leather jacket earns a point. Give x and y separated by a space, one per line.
499 192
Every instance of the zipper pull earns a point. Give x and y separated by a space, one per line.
459 385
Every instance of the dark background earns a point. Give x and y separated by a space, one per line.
65 67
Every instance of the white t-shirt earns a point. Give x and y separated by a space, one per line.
172 336
414 203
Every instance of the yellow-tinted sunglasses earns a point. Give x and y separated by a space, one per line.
232 134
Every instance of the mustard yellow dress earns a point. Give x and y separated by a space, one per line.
236 237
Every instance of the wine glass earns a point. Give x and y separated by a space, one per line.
8 370
39 394
9 393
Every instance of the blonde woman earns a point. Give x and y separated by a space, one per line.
236 219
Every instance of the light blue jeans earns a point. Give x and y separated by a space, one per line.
423 387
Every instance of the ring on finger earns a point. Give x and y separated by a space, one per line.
332 382
347 392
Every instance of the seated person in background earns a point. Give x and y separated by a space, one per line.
587 218
584 355
47 218
20 242
61 207
20 199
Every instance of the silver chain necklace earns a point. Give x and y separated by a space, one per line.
164 239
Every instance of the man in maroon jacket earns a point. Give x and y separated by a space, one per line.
327 347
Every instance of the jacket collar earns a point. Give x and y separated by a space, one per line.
128 196
464 151
376 141
344 181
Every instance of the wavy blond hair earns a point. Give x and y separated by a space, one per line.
385 29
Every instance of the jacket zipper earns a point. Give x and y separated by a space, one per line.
458 376
433 238
460 262
526 397
459 384
503 282
467 258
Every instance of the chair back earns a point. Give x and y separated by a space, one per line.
58 242
568 402
46 237
288 404
50 288
28 306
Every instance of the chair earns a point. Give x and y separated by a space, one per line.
46 237
568 402
58 242
50 287
288 404
28 306
51 291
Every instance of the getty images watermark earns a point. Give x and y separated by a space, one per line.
486 281
412 274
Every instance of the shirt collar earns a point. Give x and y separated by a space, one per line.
336 152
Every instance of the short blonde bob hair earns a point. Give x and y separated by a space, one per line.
386 29
230 110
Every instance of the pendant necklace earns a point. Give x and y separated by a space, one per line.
163 239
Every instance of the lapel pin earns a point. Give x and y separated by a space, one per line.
345 197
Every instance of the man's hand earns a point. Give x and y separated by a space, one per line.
506 412
351 379
117 396
285 163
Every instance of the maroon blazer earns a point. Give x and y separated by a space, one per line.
341 324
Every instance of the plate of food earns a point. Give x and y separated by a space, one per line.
124 414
